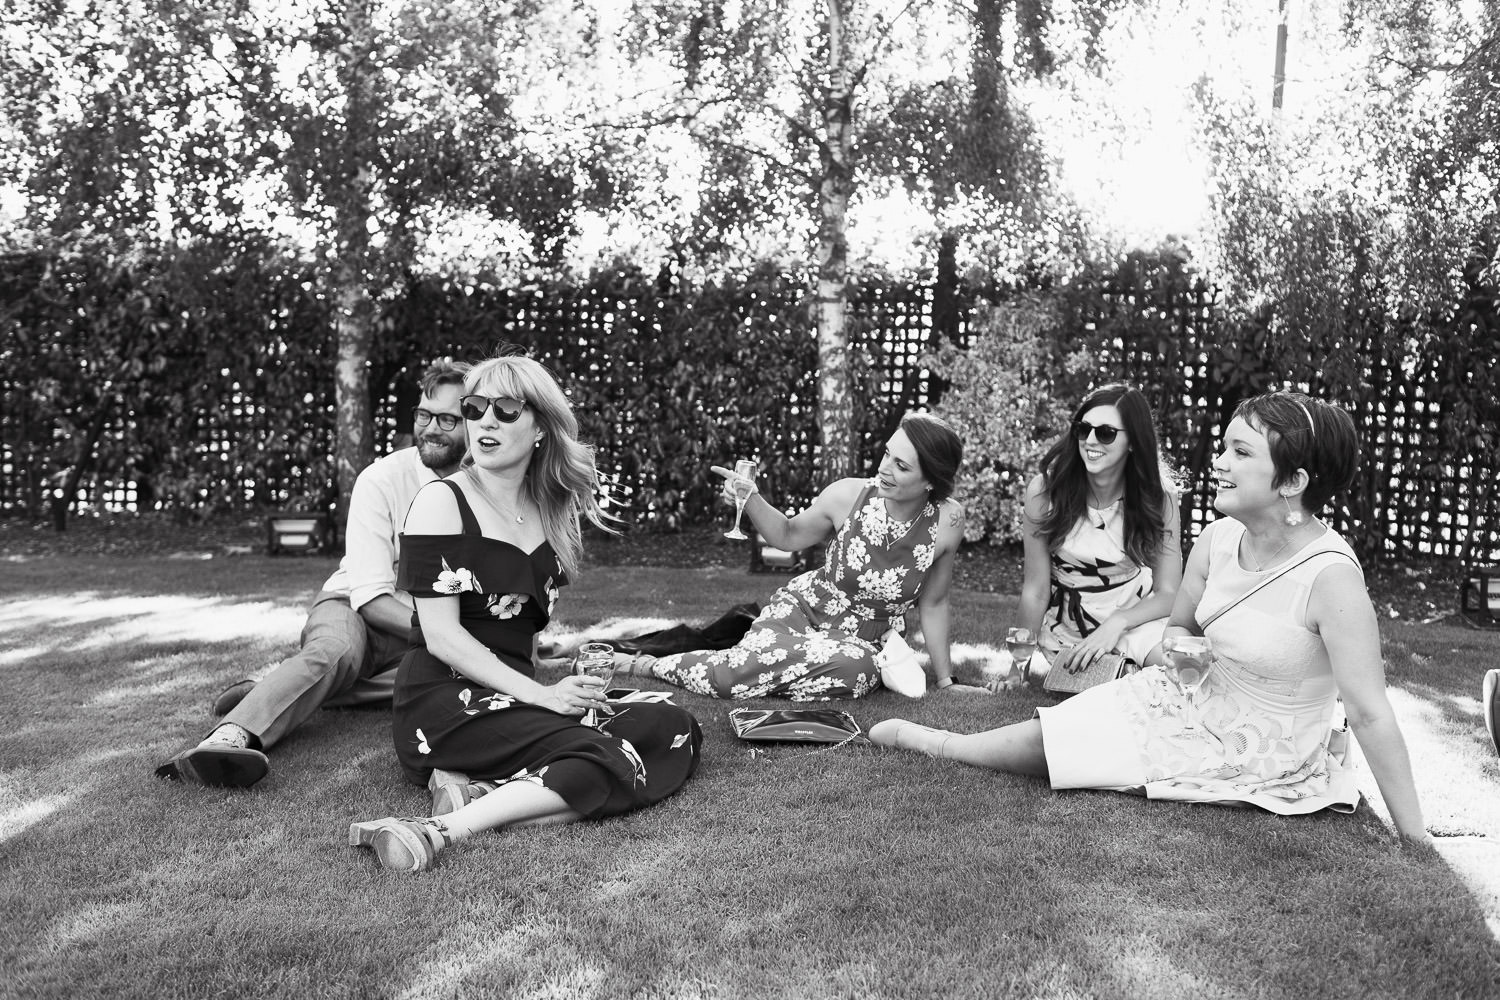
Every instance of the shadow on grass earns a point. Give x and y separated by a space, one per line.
780 871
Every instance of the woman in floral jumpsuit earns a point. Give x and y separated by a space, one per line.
894 539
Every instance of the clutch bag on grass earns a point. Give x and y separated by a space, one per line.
794 725
1110 667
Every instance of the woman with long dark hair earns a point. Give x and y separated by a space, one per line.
1281 598
1100 522
894 540
483 554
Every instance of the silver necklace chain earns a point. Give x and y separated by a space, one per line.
891 524
1260 564
519 515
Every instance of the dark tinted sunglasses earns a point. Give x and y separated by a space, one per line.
473 407
447 421
1104 432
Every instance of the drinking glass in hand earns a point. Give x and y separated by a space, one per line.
595 659
743 486
1189 659
1021 643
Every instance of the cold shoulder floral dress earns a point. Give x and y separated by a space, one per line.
638 756
816 640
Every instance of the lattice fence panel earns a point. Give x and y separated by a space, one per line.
669 380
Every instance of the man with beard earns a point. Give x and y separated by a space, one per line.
356 632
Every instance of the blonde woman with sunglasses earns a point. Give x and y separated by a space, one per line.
484 555
1101 536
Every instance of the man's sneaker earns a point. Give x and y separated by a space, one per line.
222 760
231 696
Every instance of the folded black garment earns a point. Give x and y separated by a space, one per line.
728 629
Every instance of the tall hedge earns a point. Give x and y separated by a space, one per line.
203 376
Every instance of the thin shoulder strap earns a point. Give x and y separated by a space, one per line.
1270 580
470 522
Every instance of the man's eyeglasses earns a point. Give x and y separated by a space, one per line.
507 411
446 421
1104 432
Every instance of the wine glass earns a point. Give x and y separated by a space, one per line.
1189 659
743 486
595 659
1021 642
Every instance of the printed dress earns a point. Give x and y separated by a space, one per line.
816 640
640 755
1263 716
1092 578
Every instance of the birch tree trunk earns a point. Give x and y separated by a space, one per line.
354 310
839 454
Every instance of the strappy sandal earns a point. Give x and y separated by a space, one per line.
401 845
638 665
450 791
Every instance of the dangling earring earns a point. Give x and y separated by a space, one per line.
1293 516
537 443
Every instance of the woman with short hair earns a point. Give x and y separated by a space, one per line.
1282 598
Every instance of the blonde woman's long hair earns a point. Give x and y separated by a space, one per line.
562 480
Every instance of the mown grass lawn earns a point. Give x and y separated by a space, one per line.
779 872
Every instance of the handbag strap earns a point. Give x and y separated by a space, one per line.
1270 580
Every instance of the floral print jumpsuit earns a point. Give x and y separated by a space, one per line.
817 638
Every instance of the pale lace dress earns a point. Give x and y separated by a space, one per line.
1264 714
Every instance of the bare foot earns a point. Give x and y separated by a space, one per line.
906 735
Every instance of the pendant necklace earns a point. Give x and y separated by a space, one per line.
1097 512
891 524
519 515
1260 564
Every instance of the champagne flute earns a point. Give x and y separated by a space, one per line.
595 659
1021 642
743 486
1189 659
